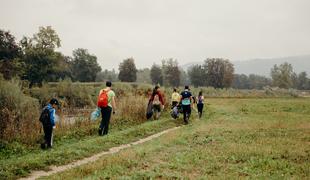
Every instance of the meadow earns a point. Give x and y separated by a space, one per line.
237 138
236 123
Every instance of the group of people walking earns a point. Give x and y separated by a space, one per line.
180 103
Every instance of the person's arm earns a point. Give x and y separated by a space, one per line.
52 117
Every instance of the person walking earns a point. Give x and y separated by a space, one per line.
175 98
186 102
157 101
106 102
47 118
200 103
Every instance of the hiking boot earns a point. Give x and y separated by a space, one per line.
43 146
100 132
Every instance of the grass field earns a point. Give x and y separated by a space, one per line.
237 138
20 162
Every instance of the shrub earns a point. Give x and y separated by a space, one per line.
75 95
18 113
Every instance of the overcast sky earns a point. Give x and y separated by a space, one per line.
150 30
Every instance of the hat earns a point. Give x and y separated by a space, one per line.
54 101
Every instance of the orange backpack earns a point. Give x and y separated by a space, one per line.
103 99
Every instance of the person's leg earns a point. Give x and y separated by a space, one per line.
174 103
49 131
44 144
185 113
156 109
101 126
159 111
199 107
107 117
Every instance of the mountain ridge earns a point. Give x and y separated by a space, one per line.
262 66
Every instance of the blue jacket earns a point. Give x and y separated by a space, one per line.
52 114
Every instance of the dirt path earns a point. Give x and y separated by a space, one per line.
57 169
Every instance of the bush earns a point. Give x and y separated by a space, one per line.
18 113
75 95
71 95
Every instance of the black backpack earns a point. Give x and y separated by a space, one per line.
45 117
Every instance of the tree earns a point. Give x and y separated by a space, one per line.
282 75
156 74
258 82
302 81
47 38
10 53
241 81
127 71
39 56
184 78
171 72
107 75
143 76
219 72
197 75
84 66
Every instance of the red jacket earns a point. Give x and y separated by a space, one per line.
161 99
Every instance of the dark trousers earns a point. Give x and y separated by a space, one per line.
186 112
174 103
200 108
106 116
48 135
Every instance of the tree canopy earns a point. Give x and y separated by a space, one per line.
127 70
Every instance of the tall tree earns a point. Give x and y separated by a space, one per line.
282 75
47 38
127 71
10 53
171 72
219 72
156 74
39 56
197 75
84 66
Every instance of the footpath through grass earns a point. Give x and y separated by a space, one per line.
238 138
68 150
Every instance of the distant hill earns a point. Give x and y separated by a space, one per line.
263 66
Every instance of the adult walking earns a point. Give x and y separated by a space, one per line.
106 102
200 103
186 102
157 102
175 98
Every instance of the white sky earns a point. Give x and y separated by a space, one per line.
150 30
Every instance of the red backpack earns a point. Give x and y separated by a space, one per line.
103 99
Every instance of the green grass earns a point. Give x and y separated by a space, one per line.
20 161
238 138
